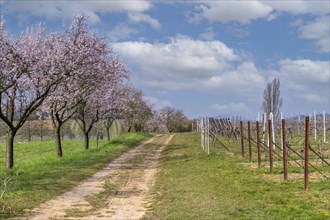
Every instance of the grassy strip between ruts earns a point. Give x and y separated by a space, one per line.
42 176
194 185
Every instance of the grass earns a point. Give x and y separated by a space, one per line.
42 176
193 185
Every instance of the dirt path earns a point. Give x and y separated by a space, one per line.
119 191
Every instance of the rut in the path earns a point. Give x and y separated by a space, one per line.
133 175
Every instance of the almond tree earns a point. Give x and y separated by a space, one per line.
109 120
116 112
85 54
155 123
105 98
92 109
137 111
173 119
31 67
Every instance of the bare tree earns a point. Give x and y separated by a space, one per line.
272 101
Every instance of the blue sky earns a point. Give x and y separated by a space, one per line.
206 57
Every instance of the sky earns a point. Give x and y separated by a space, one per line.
207 58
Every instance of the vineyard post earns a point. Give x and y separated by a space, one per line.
315 129
306 171
324 130
273 129
242 139
205 124
200 130
298 124
264 127
285 162
282 132
208 135
249 138
202 133
258 144
270 143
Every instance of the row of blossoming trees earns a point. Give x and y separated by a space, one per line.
71 74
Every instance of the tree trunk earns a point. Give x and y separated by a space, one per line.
108 133
41 130
58 141
86 144
29 131
10 149
97 138
108 126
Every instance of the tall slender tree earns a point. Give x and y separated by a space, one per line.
272 101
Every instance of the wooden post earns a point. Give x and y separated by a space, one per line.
208 135
306 171
324 129
270 145
242 139
258 144
204 138
249 138
285 162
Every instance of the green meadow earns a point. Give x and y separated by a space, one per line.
222 185
39 175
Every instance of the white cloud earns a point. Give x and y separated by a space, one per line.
137 17
315 7
186 64
182 57
245 81
305 71
244 12
209 34
312 98
305 79
232 109
56 10
157 103
121 32
226 11
318 30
